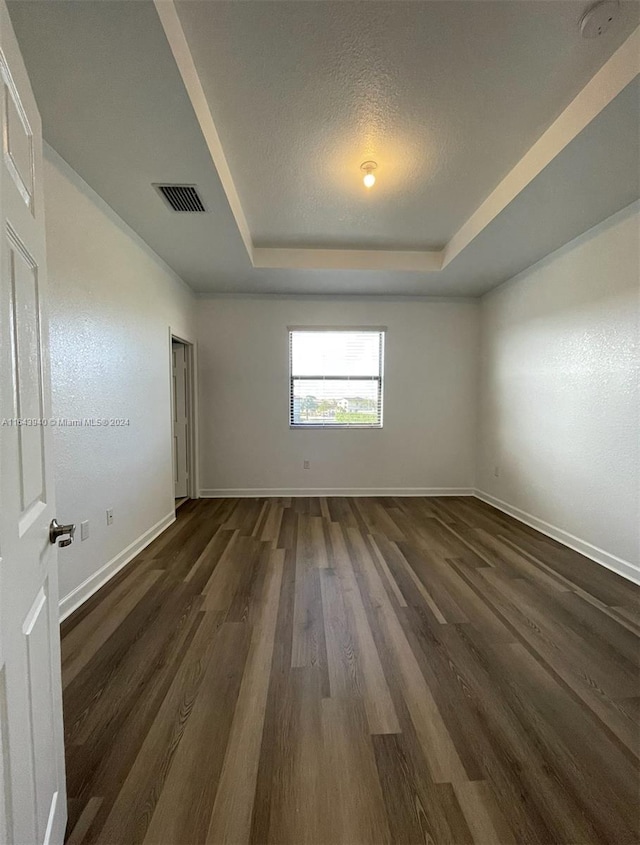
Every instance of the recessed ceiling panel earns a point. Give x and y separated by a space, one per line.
445 97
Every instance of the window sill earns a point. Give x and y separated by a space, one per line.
314 427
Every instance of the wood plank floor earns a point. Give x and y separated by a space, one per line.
348 670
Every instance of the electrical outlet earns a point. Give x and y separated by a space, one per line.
496 471
306 465
84 529
109 516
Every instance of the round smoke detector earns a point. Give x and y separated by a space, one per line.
598 18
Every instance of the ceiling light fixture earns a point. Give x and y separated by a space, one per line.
369 178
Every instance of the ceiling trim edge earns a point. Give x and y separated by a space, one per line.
182 54
613 77
347 259
617 72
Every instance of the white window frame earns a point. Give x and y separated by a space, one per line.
380 330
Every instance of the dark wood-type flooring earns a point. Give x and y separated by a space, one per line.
342 670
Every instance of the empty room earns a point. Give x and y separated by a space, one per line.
320 422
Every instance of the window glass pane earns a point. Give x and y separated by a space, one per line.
324 353
335 402
336 377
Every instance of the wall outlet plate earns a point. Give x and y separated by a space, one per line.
84 529
306 465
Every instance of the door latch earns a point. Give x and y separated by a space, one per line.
56 530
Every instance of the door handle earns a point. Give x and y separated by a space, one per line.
56 530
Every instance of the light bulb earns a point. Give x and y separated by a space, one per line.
367 167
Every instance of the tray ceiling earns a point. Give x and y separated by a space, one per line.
445 96
494 142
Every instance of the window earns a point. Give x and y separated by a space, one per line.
335 377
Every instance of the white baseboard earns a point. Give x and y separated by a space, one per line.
83 591
622 567
275 492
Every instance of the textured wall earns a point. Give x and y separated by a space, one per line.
560 394
428 439
112 303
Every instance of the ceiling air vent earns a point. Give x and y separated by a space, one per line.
181 197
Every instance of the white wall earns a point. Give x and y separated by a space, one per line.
112 303
428 439
560 394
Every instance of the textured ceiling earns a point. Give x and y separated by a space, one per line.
445 96
114 106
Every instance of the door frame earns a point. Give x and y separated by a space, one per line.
193 486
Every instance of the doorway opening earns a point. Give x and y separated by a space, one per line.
182 421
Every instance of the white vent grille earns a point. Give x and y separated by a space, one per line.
181 197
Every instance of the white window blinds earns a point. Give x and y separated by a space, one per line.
336 377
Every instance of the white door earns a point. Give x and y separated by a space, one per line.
180 420
33 799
